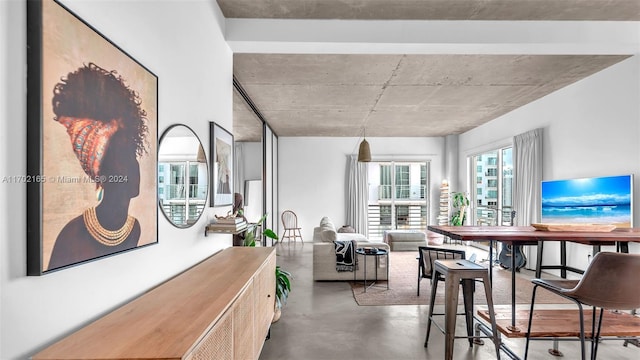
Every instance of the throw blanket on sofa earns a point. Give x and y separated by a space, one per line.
345 255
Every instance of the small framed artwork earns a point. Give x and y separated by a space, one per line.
222 153
92 138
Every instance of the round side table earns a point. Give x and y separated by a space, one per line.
377 253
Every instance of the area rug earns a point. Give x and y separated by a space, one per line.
403 277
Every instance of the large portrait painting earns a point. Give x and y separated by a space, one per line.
92 139
221 142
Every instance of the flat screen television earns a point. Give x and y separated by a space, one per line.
596 200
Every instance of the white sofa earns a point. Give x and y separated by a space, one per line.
324 255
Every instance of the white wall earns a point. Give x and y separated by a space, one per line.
182 43
252 164
591 128
313 173
252 160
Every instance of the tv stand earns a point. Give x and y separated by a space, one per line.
221 308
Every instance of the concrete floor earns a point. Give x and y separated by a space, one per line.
322 321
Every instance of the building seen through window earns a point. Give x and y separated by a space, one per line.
493 191
398 197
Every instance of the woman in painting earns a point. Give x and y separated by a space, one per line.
107 128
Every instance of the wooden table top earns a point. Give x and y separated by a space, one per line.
528 234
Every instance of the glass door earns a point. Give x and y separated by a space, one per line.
492 189
398 197
492 193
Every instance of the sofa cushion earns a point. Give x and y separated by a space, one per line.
327 230
346 229
351 236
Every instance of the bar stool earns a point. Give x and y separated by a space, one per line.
454 272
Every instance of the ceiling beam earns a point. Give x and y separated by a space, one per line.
242 92
271 36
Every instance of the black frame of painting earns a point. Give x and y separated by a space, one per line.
219 136
44 62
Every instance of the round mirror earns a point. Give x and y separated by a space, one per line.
183 179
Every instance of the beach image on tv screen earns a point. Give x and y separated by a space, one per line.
601 200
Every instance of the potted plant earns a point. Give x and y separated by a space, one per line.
283 277
460 204
250 234
283 287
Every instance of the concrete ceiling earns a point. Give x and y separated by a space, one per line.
405 94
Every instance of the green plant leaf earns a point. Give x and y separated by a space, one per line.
270 234
249 238
460 203
283 286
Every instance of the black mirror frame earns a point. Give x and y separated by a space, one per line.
164 133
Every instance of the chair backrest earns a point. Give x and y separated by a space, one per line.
427 255
289 219
610 282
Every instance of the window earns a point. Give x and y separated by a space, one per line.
181 190
385 215
176 185
402 182
423 181
385 182
507 186
398 197
493 192
193 181
402 215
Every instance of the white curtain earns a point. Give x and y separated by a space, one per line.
357 195
527 161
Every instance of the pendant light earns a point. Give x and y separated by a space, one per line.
364 153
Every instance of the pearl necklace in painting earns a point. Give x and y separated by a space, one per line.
104 236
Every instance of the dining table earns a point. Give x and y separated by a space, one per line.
529 235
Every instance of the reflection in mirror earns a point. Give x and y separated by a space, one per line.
182 176
247 133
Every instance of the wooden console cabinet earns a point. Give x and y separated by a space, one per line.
220 308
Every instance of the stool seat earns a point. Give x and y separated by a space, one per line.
454 272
